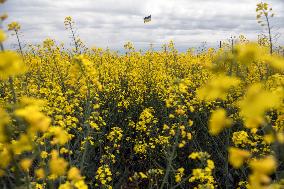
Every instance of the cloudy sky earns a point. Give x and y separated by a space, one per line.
110 23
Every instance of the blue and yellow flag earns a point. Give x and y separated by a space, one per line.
147 19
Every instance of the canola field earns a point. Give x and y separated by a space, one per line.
94 118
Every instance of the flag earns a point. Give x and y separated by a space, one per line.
147 19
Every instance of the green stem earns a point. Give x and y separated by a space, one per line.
1 46
12 88
19 43
73 36
227 161
170 160
87 115
27 180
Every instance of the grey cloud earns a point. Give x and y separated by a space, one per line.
111 22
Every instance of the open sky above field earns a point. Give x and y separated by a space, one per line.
110 23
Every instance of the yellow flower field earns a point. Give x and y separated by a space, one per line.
94 118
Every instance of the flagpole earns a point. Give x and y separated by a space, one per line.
146 20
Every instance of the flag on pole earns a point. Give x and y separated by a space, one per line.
147 19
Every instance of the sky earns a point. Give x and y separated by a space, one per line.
112 23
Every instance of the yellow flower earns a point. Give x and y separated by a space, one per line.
2 36
80 185
142 175
104 174
210 164
4 120
241 138
258 181
180 111
23 144
189 136
269 138
10 64
74 174
280 138
15 26
37 120
199 155
43 154
218 121
265 165
3 16
237 156
250 52
276 62
40 173
5 157
179 174
261 169
66 185
60 135
26 164
39 186
256 102
63 151
68 20
190 123
217 88
182 144
57 165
